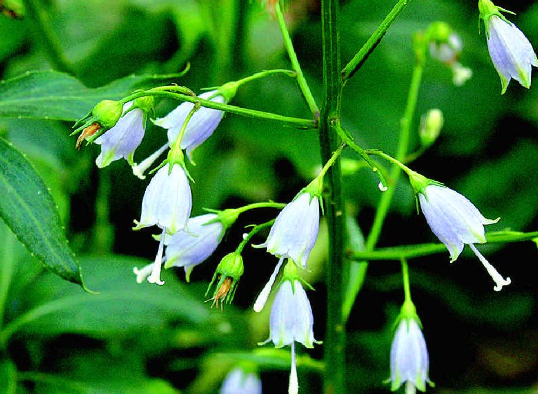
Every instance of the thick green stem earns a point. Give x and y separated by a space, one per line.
46 36
359 267
301 81
358 60
335 339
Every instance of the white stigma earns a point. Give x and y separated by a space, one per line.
264 294
140 169
155 276
142 274
497 278
293 387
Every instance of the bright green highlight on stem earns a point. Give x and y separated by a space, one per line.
301 81
358 60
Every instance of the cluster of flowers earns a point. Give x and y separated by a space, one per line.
186 242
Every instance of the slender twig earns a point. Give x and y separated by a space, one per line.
301 81
422 250
251 113
358 60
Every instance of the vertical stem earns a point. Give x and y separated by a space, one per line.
301 81
44 33
359 268
334 203
7 266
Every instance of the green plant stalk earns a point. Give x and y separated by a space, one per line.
335 339
358 268
405 279
257 205
301 81
251 113
358 60
252 233
46 36
422 250
7 268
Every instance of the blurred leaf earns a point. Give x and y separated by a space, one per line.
272 358
145 38
121 306
12 36
28 209
96 372
58 96
8 377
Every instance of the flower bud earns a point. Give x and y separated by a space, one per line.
103 117
228 273
430 126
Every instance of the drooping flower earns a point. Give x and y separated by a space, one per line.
193 245
295 230
240 381
200 127
511 52
291 319
409 361
455 221
167 201
122 139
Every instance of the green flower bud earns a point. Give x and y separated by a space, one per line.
107 113
228 273
103 117
430 126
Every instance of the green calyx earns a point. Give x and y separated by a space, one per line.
487 9
408 312
439 32
228 273
228 90
226 217
291 273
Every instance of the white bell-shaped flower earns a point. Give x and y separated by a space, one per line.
167 201
193 245
456 222
200 127
295 230
511 52
409 361
122 139
239 381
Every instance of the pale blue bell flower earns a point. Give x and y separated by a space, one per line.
409 360
292 321
239 381
511 52
456 222
295 230
200 127
122 139
193 245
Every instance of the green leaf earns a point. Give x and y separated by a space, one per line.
122 305
28 209
58 96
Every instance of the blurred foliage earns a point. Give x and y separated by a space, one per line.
139 338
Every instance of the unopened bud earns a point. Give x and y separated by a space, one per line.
430 126
107 113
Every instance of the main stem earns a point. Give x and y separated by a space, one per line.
335 339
